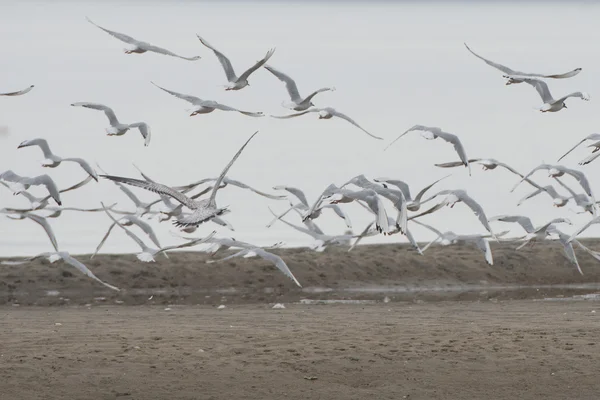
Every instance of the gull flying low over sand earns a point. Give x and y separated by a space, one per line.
411 204
206 106
449 238
148 254
138 47
53 161
265 255
297 102
130 220
66 257
19 184
457 196
551 104
116 128
203 210
321 240
236 82
19 92
38 220
431 133
556 171
327 113
514 77
593 136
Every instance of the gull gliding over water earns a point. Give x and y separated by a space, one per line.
236 82
206 106
117 128
19 92
550 103
297 102
53 161
519 77
203 210
19 184
328 113
138 47
431 133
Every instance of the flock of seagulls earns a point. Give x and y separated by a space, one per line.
188 208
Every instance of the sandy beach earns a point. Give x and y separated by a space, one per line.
444 325
450 350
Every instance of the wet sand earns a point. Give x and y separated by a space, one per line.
446 350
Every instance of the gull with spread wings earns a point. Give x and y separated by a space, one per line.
203 210
328 113
19 184
236 82
206 106
297 102
53 161
550 103
139 47
514 77
117 128
431 133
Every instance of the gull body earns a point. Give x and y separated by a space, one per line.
550 103
297 103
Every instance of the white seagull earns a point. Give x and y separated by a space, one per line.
38 203
206 106
514 77
556 171
411 204
148 254
53 161
593 136
550 103
19 184
38 220
297 102
66 257
431 133
457 196
130 220
328 113
236 82
257 251
138 47
19 92
117 128
203 210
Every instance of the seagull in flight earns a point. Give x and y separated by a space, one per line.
130 220
328 113
411 204
265 255
593 136
514 77
38 203
19 184
297 102
203 210
148 254
457 196
556 171
37 219
19 92
138 47
206 106
236 82
117 128
431 133
53 161
66 257
551 104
